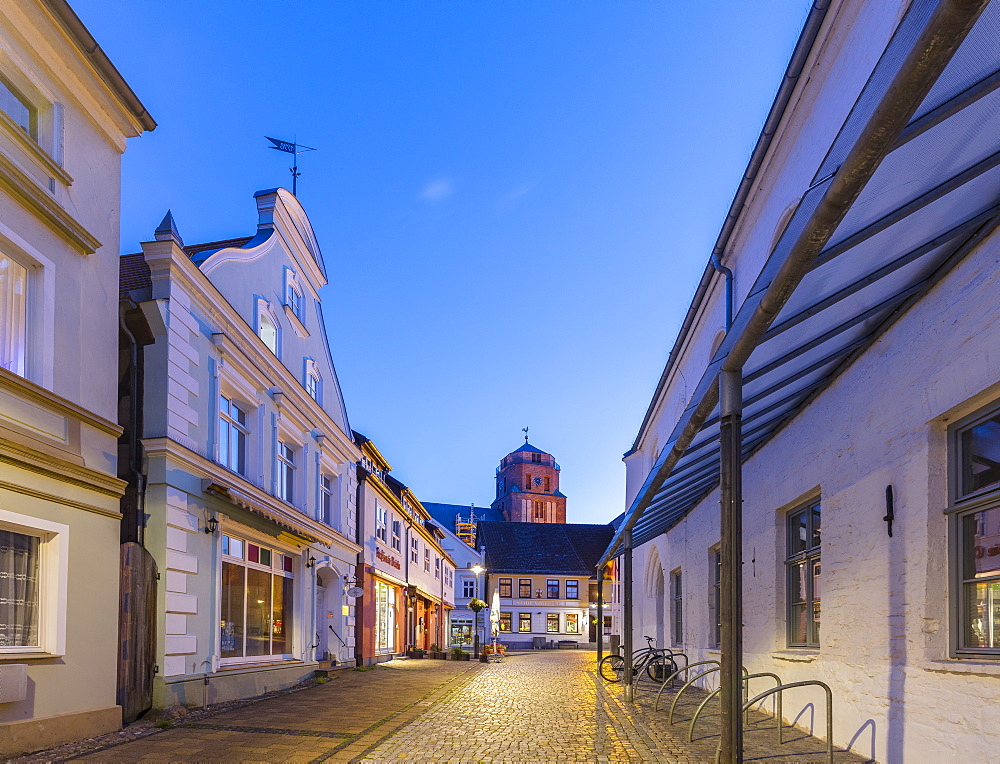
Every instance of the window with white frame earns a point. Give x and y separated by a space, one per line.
414 551
437 567
314 383
397 535
803 571
293 294
233 432
267 326
381 521
256 601
326 503
286 472
21 111
33 584
572 623
975 479
427 560
13 314
468 588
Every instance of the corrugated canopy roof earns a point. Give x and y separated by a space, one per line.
933 196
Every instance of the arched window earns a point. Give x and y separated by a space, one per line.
267 327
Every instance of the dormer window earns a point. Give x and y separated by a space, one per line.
267 326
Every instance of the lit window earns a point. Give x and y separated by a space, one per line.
552 623
572 623
256 601
505 587
286 472
524 621
505 619
976 448
232 435
572 589
13 314
552 588
803 575
18 108
267 327
524 588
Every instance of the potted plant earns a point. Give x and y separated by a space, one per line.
437 653
458 654
415 652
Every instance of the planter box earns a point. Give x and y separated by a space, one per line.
438 656
414 653
462 657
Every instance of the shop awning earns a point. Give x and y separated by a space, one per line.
300 527
843 271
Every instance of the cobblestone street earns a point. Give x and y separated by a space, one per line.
533 707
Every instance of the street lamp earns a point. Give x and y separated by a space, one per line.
477 569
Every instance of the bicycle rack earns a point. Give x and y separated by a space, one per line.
656 706
746 679
689 682
806 683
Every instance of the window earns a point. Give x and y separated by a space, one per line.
437 567
286 472
548 485
505 619
803 572
326 499
381 519
552 589
976 468
572 623
313 384
717 597
413 551
572 589
293 299
18 108
468 588
256 600
524 588
427 560
232 435
267 326
539 510
677 605
505 587
13 308
524 621
552 623
536 458
397 535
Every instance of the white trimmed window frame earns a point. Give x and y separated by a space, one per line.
312 381
40 318
54 572
287 465
264 311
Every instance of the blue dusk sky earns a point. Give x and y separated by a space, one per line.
515 200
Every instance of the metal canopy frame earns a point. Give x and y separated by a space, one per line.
910 186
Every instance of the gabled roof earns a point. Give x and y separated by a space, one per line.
540 548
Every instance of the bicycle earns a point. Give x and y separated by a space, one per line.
658 663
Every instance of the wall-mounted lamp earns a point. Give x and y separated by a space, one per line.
890 511
212 525
311 563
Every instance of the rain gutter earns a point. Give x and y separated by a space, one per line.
807 38
941 37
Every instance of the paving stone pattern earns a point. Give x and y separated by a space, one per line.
533 707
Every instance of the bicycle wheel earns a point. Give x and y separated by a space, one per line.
612 668
660 668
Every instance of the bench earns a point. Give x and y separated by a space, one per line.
567 643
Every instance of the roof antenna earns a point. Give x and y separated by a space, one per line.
294 148
525 431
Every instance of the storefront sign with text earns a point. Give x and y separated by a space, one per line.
388 559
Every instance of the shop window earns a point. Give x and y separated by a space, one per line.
524 588
552 623
803 576
505 587
14 310
524 621
461 632
381 520
552 588
572 623
286 472
976 475
505 620
233 432
572 589
677 606
256 601
385 617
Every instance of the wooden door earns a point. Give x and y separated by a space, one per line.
136 630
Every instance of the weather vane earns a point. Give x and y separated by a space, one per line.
525 431
294 149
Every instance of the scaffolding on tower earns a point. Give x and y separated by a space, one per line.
466 529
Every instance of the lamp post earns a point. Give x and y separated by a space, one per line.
477 569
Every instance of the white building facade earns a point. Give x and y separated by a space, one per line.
65 115
251 484
871 486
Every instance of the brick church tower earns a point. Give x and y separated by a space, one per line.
528 487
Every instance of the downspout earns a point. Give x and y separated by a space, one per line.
717 264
